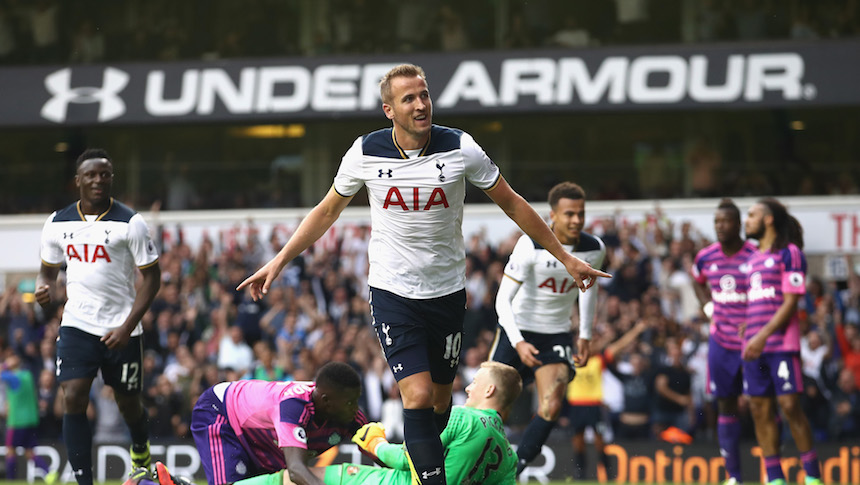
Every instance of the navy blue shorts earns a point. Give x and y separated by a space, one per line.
582 417
725 371
81 355
222 455
773 374
26 438
553 348
420 335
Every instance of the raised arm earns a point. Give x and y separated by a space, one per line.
312 227
532 224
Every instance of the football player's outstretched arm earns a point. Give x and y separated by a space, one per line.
532 224
312 227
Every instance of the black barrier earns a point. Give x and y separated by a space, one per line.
630 462
777 74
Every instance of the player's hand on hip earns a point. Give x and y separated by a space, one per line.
116 339
527 353
258 283
43 295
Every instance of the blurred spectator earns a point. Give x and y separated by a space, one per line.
638 388
233 352
845 402
45 31
571 34
672 383
88 43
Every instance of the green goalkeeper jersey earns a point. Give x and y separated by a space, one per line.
476 452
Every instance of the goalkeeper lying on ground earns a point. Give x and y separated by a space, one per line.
477 451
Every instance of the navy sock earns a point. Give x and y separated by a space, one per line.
774 468
442 419
11 463
139 431
579 469
729 435
810 464
424 446
533 438
79 446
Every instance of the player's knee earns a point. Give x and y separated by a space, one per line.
417 398
790 405
550 408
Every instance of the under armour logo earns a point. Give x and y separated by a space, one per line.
440 167
553 264
426 475
110 104
69 235
385 330
59 362
381 173
107 236
79 473
397 368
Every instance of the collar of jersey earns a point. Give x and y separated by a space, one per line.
403 152
84 218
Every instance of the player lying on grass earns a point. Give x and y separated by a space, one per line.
477 449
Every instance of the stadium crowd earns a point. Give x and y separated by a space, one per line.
200 331
51 31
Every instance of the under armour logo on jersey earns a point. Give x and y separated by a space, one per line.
440 167
426 475
69 235
385 330
107 236
553 264
59 84
382 172
397 368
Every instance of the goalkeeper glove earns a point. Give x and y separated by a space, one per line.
368 438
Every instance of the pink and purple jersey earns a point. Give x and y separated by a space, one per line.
771 276
728 283
267 416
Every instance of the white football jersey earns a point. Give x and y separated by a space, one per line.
416 247
100 255
544 301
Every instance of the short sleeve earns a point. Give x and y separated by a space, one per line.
794 274
522 257
140 242
50 252
290 433
696 269
480 170
349 180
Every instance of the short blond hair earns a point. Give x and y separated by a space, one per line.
403 70
507 380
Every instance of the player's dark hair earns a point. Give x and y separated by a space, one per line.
788 228
403 70
337 375
729 205
92 153
565 190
